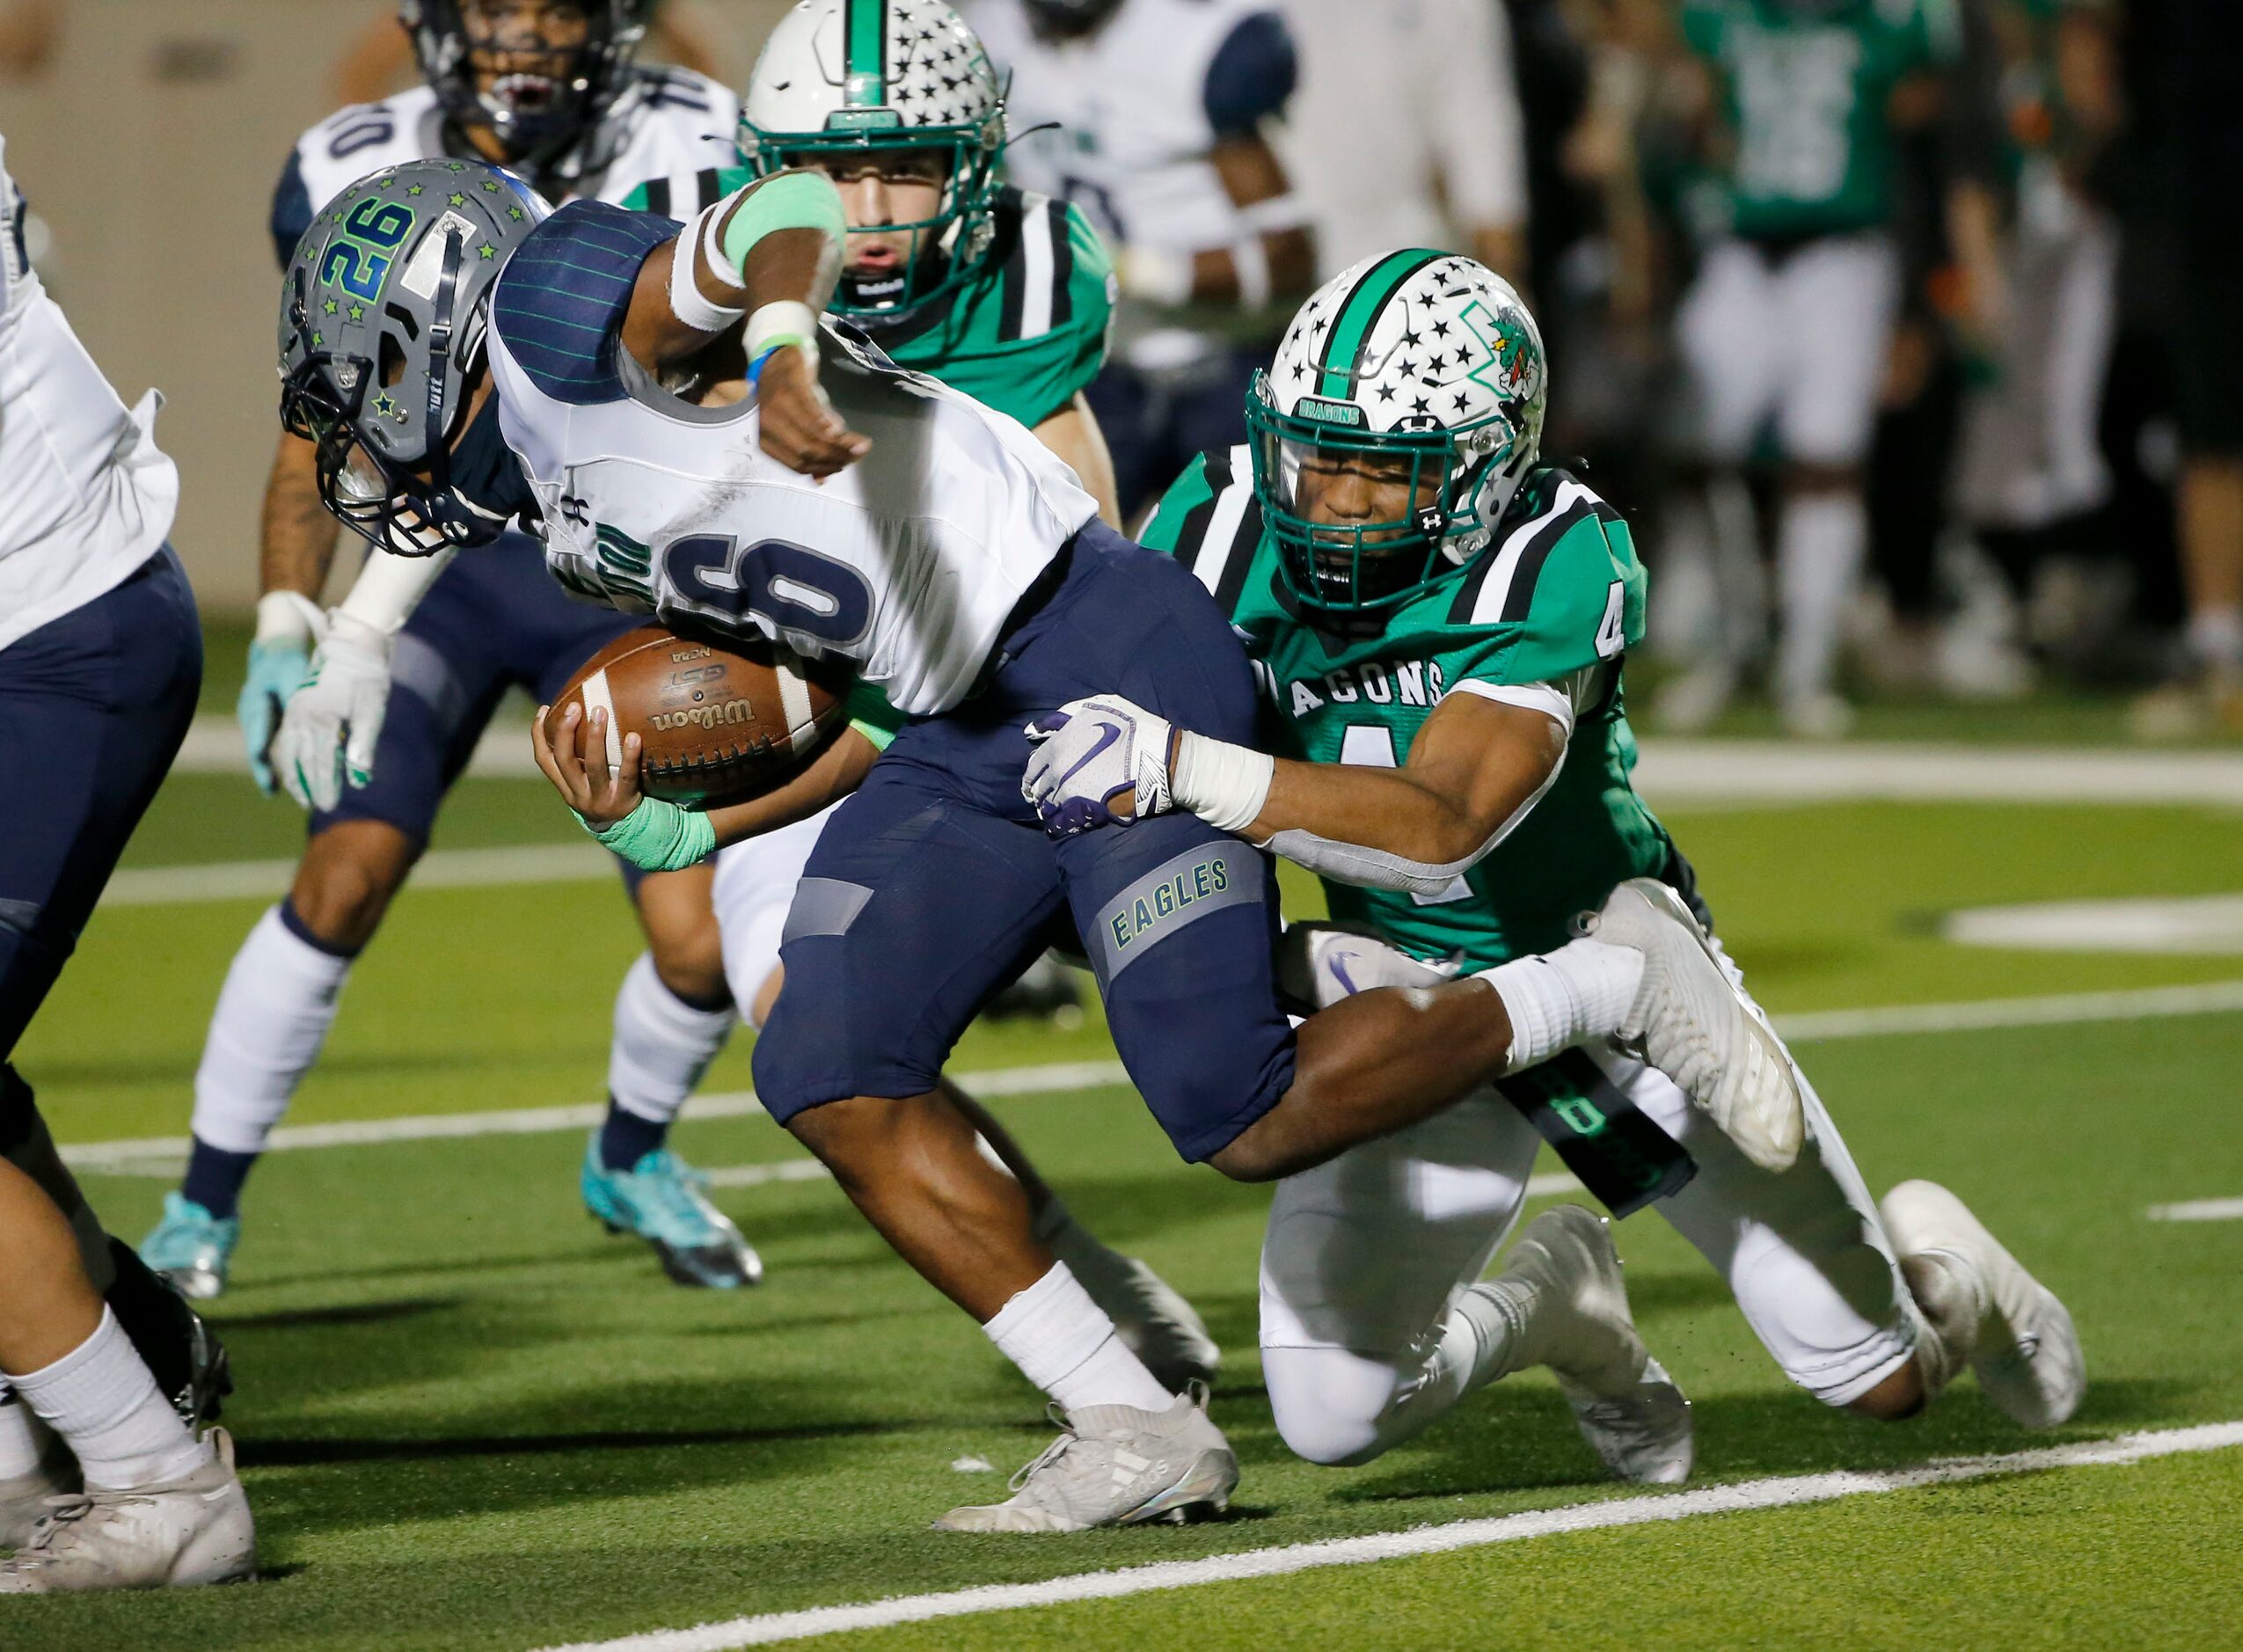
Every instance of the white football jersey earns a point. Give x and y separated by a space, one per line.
1129 114
85 494
908 563
670 127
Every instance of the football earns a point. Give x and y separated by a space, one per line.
715 723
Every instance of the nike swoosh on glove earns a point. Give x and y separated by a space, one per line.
333 721
1088 753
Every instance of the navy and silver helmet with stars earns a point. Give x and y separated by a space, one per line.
1414 364
383 312
844 78
541 76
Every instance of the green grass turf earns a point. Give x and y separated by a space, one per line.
469 1419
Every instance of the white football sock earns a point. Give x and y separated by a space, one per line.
1819 547
1064 1343
1557 999
662 1044
100 1399
21 1446
1950 1300
272 1016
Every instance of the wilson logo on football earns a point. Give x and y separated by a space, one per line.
715 716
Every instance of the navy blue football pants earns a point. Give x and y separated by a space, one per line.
93 706
933 886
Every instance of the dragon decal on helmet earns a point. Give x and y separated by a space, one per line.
541 74
852 79
383 313
1422 373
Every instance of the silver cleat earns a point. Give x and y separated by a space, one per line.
1694 1024
1629 1410
1115 1466
196 1530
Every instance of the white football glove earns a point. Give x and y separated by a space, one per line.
1088 753
332 722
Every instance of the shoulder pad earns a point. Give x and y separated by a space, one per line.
560 304
1210 521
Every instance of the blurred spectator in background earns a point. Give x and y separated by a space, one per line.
1153 116
380 60
2033 484
1785 330
2185 104
29 30
1407 130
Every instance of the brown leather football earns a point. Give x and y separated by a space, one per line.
716 723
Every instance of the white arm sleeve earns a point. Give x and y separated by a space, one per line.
1477 136
1562 701
391 587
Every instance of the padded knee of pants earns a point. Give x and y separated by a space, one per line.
1333 1407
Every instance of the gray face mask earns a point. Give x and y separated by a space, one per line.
381 320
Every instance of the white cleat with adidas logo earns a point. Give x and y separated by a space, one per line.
1115 1466
1696 1025
195 1530
2018 1337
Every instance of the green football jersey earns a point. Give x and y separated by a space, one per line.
1028 332
1559 592
1806 91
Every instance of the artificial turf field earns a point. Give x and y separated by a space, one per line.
468 1418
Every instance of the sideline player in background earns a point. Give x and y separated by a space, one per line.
547 87
1785 331
1004 294
1149 114
100 656
1439 622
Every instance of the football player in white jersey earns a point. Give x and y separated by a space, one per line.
103 1485
549 87
1004 294
695 443
1151 115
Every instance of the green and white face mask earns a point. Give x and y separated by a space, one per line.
898 86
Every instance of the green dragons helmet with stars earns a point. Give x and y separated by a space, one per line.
384 311
1417 363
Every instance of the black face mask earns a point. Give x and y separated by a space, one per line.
484 469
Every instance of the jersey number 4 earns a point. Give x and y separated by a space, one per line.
1371 746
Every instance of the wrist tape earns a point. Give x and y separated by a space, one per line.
658 836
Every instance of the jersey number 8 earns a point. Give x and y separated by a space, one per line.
794 591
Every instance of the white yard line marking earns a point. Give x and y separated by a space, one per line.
136 1158
443 869
1789 1492
2198 924
2067 1009
2198 1211
1684 771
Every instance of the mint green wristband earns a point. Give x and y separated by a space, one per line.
658 836
790 200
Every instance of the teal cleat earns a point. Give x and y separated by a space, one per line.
191 1247
659 1199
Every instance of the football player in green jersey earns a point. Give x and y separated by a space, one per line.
1004 294
1001 295
1786 329
1439 623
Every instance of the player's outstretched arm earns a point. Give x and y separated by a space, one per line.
763 260
1475 770
297 544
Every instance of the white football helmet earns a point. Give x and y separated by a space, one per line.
849 77
1416 357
